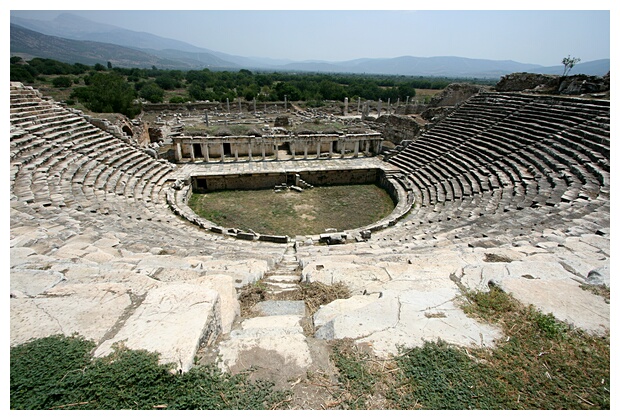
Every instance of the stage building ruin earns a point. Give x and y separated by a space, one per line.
313 146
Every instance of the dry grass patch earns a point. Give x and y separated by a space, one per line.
311 212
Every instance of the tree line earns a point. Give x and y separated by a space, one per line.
111 89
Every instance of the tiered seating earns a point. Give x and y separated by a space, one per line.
514 152
63 167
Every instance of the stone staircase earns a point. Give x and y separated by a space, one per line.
272 337
285 276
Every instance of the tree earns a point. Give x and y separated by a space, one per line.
569 62
152 92
108 92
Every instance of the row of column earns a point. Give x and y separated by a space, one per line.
204 149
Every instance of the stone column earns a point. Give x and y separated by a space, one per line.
236 146
206 149
178 152
331 148
239 100
292 147
222 151
191 152
306 150
318 149
367 146
379 109
205 152
276 146
356 147
389 110
346 106
255 106
343 146
262 149
250 150
359 101
206 118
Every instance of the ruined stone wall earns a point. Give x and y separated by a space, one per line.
268 180
578 84
395 128
455 94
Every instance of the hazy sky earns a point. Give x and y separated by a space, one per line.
537 34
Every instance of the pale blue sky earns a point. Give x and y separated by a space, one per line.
541 37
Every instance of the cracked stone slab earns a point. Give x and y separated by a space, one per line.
357 277
407 318
376 315
273 342
428 316
87 309
34 282
549 285
173 320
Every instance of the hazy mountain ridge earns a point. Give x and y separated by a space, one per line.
25 42
141 49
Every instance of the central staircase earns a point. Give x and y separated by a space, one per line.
285 276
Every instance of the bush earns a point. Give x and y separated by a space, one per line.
62 81
178 100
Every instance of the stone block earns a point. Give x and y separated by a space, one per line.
173 320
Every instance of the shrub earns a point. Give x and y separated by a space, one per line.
62 81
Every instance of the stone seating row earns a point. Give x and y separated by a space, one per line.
63 154
531 160
76 176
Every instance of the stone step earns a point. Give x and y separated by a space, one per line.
283 278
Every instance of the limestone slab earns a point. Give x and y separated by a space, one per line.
280 307
34 282
429 316
279 337
172 320
87 309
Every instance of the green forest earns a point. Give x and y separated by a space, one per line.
104 88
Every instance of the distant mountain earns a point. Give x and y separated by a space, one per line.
28 44
126 48
183 55
418 66
70 26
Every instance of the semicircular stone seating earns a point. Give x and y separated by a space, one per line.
92 236
510 163
96 249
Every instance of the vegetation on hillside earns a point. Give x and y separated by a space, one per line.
174 86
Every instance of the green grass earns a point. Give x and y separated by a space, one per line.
57 373
291 213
